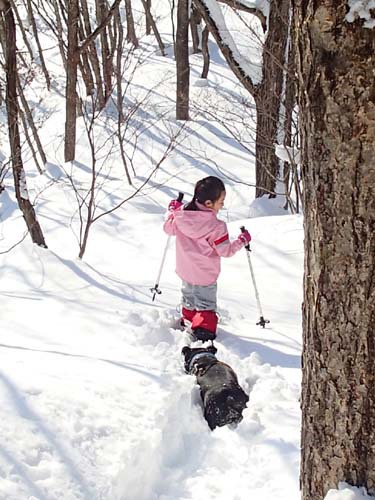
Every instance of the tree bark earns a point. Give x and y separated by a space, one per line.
336 60
182 60
36 36
101 15
151 21
148 25
14 135
268 98
131 36
205 52
71 81
59 32
84 64
22 29
195 23
93 56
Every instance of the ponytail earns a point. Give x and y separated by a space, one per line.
207 189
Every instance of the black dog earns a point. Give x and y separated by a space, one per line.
223 398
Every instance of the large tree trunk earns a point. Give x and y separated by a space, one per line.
182 60
336 61
14 135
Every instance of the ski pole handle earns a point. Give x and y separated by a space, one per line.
247 246
155 289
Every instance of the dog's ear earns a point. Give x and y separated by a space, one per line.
186 350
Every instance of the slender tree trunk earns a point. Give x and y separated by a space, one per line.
29 141
195 22
22 29
93 56
268 98
182 60
336 60
101 14
71 81
30 121
290 168
40 51
148 25
84 63
205 52
147 7
59 29
14 136
131 36
119 75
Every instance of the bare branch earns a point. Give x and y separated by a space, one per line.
99 28
239 5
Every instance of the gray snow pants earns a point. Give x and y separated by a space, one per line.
199 297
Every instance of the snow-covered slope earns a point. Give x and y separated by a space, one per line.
94 403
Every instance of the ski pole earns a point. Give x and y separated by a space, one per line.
155 289
262 322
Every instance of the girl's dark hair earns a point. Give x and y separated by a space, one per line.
209 188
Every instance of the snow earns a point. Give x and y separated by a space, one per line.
288 153
242 57
94 402
361 9
347 492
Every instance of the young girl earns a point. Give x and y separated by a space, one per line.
201 240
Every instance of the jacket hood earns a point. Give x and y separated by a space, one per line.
195 223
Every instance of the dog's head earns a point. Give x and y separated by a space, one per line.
225 407
194 354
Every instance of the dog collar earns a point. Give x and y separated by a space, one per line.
199 355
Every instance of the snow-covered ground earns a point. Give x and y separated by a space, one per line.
94 402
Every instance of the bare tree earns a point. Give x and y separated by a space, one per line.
30 14
267 94
74 51
148 24
101 15
131 36
195 28
14 135
71 81
89 211
92 54
150 20
182 60
336 59
205 52
268 97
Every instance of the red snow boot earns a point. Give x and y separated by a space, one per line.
204 325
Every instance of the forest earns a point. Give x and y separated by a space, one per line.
108 109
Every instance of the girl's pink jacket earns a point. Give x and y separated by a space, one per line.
201 240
